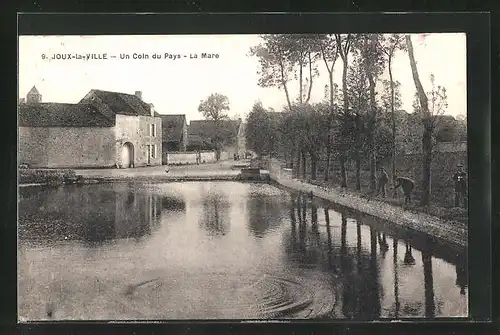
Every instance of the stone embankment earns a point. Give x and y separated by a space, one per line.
452 232
30 177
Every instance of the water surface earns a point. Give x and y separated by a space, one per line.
222 250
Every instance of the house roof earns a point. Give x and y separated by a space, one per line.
172 127
61 115
34 91
122 103
206 128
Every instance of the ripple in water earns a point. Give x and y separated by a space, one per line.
218 295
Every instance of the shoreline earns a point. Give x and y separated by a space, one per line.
452 232
447 231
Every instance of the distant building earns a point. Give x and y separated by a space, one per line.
33 96
174 134
104 129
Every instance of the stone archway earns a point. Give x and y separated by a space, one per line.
127 155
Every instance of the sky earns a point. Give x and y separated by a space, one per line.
176 86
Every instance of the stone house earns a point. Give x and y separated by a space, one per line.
174 134
105 129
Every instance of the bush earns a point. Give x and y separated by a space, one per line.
42 176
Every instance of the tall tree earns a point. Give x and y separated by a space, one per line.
427 133
359 101
344 43
315 130
368 49
215 108
275 62
302 52
329 51
438 103
390 45
283 57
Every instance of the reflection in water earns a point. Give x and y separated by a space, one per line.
396 280
173 204
384 246
293 222
215 217
461 269
100 214
429 284
409 259
263 214
273 254
329 240
364 286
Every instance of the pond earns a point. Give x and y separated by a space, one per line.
222 250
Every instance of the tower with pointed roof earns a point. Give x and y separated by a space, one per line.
33 96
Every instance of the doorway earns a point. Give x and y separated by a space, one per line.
127 155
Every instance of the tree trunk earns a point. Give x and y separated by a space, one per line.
357 157
393 117
371 133
426 163
343 173
304 166
373 172
427 135
314 165
301 98
328 154
297 167
330 75
358 171
310 78
283 82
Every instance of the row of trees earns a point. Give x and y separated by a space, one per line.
353 122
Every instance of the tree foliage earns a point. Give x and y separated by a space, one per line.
353 121
214 107
261 132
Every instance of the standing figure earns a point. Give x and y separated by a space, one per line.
198 157
460 179
382 181
407 185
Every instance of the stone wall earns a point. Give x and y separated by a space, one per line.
67 147
33 146
189 157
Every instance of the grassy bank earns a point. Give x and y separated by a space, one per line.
46 176
445 213
442 200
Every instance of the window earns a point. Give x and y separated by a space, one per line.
152 151
152 130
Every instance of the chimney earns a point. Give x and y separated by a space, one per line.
138 94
